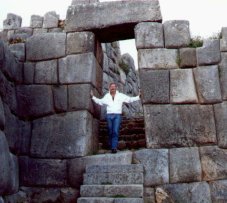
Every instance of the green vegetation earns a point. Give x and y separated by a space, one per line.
216 36
196 41
106 183
178 60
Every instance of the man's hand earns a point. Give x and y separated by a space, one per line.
91 93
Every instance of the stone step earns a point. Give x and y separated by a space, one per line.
111 191
113 178
121 168
108 200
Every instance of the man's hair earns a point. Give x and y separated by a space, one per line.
112 83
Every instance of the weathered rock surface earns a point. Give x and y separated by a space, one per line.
149 35
185 165
155 86
210 52
77 166
60 98
220 111
50 20
155 174
46 72
80 42
125 15
208 86
176 33
188 57
223 75
193 192
45 46
18 50
178 126
80 68
34 100
29 72
42 172
2 115
214 163
158 58
182 86
36 21
218 191
12 22
63 136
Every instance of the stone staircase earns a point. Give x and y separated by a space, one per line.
132 134
112 184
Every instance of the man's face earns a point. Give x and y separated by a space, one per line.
113 89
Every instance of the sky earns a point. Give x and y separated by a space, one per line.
206 17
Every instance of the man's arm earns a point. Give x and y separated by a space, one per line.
97 100
128 99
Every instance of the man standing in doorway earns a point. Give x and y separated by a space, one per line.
113 101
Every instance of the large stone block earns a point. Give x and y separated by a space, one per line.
63 135
185 165
60 98
220 111
214 163
224 32
188 57
218 190
155 174
124 16
36 21
19 35
42 172
37 31
208 85
223 45
223 75
50 20
182 86
34 100
2 115
155 86
172 125
193 192
29 72
8 93
18 51
46 72
176 33
11 67
74 2
77 166
18 133
148 195
149 35
80 42
5 165
79 68
14 174
12 22
79 97
43 194
45 46
209 53
158 58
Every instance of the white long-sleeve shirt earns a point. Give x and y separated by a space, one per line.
114 106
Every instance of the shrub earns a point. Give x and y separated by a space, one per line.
196 41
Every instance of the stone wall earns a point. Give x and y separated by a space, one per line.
184 101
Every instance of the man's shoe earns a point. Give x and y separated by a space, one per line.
114 151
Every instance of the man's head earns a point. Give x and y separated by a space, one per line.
112 88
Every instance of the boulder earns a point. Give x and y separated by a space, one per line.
36 21
188 57
13 21
50 20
